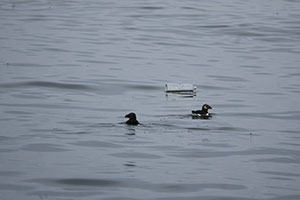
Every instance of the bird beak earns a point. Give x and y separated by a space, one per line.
127 116
209 107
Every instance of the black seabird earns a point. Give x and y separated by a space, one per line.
132 119
202 113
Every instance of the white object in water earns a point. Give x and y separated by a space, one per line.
180 88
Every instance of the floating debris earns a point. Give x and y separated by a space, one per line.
180 88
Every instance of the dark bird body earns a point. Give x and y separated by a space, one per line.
202 113
132 119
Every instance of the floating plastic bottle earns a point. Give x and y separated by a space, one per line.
180 88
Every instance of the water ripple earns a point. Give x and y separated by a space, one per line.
133 183
288 115
257 151
46 84
99 144
44 147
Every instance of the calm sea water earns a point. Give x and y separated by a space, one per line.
70 71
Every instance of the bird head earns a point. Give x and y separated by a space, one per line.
131 115
206 107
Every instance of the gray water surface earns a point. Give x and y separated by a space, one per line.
71 70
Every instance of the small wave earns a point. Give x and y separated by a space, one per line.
134 183
257 151
279 173
291 115
47 84
43 147
214 26
283 160
99 144
15 187
26 65
151 7
228 78
137 155
78 182
141 87
11 173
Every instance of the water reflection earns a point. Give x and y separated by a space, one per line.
130 130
